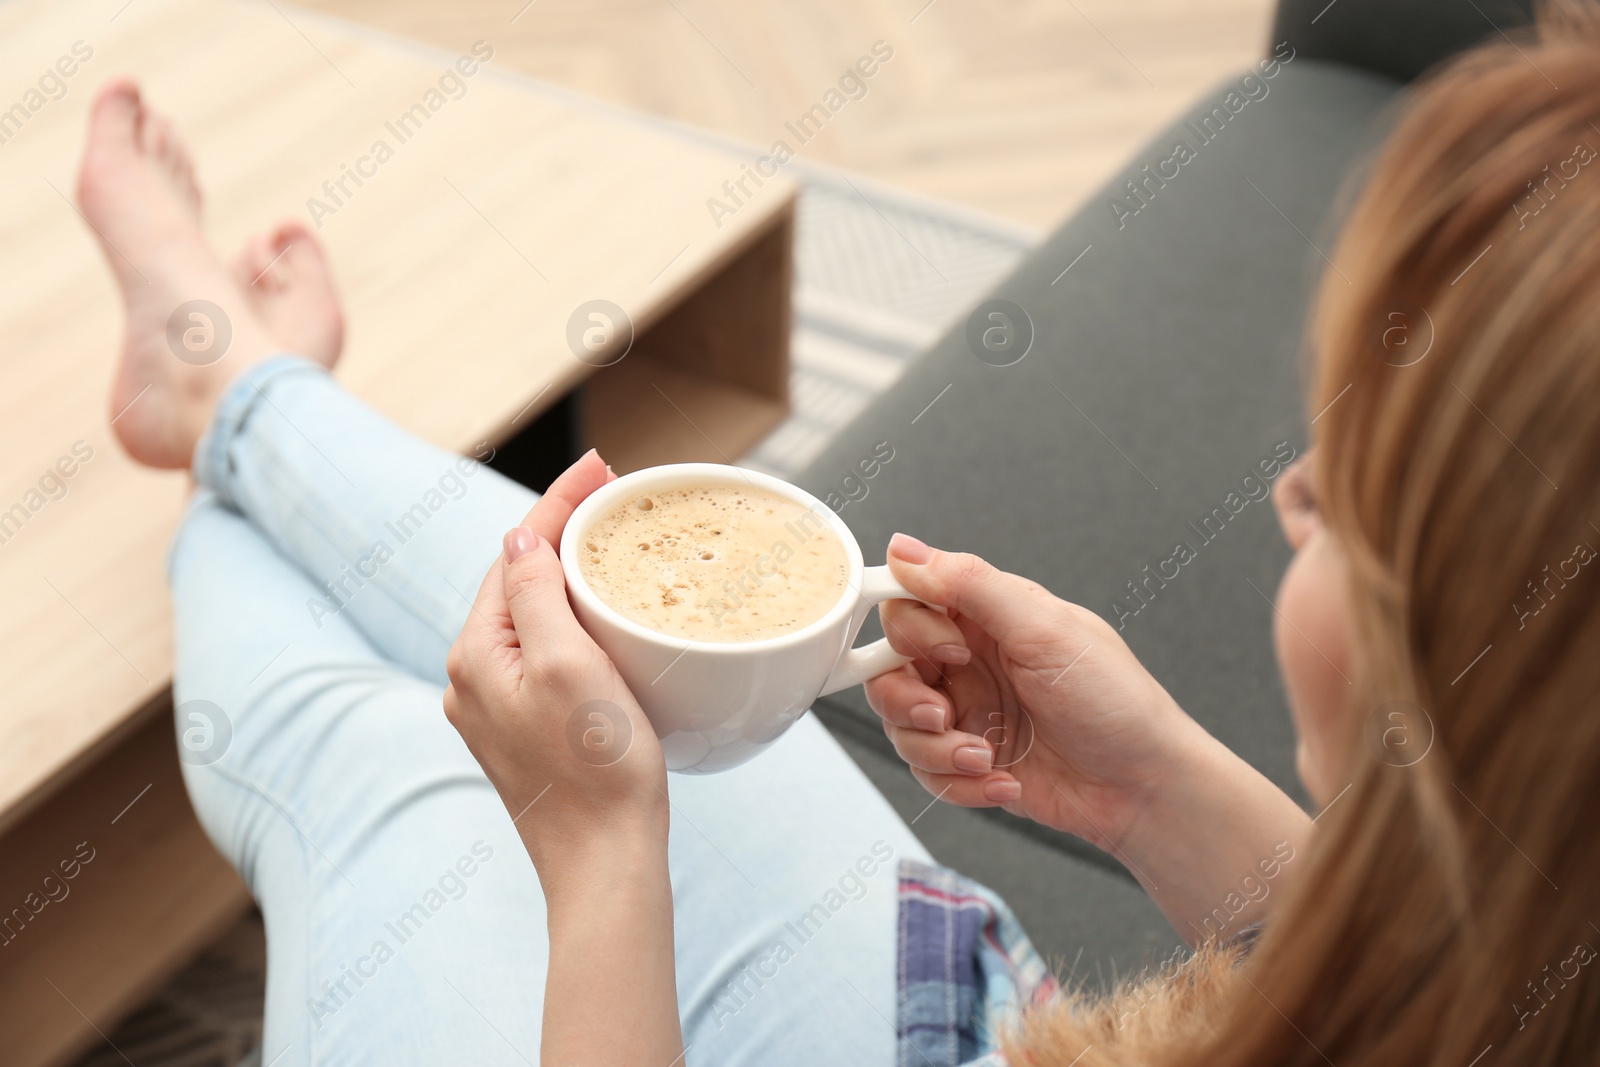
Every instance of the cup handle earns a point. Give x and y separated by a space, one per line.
857 665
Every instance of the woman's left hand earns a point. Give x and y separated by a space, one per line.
580 770
545 712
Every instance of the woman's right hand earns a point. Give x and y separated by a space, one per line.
1019 699
1023 700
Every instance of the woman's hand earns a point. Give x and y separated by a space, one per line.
1022 700
581 772
544 710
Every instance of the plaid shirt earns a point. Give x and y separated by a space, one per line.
964 962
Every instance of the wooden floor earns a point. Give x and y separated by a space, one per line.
1019 108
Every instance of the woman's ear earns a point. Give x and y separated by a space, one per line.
1294 499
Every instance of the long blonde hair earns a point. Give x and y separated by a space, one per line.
1447 908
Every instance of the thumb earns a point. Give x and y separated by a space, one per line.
536 594
1006 605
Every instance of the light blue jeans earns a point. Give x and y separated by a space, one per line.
321 573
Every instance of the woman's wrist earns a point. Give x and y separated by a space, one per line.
583 863
1213 838
608 899
1179 760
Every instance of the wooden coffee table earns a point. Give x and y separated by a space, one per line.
497 211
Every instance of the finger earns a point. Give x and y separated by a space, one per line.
536 598
485 635
990 791
902 698
490 620
550 514
1006 606
951 752
918 631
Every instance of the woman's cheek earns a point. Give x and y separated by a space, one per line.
1311 633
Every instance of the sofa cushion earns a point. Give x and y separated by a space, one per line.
1163 378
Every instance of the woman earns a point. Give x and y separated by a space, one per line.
1440 912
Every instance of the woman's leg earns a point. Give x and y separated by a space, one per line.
404 921
394 534
783 871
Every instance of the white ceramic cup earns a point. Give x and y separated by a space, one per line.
716 704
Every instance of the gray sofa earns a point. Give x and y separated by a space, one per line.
1165 368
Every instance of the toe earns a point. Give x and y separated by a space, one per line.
304 255
292 232
254 268
113 137
114 119
170 146
188 182
155 136
240 265
115 112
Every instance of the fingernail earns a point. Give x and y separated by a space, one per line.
928 717
909 549
1004 791
520 539
973 760
955 655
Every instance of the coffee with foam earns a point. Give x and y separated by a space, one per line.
722 563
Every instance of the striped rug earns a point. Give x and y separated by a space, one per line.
879 276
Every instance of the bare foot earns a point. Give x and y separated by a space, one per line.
190 327
286 277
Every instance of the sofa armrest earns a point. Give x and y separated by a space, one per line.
1397 38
